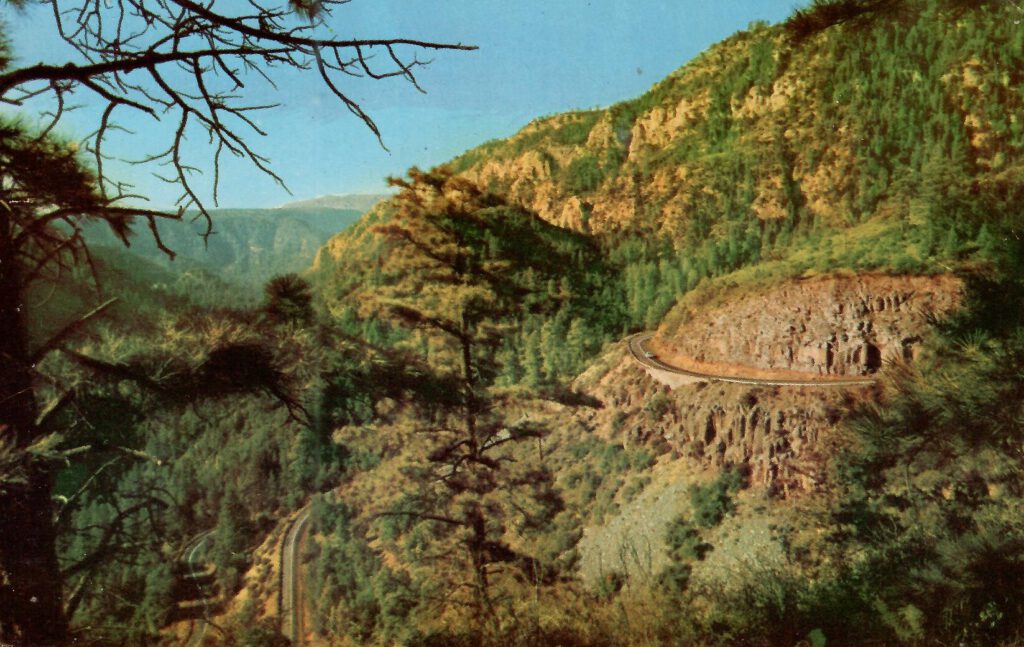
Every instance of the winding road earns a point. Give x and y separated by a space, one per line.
291 581
197 628
290 591
650 361
291 587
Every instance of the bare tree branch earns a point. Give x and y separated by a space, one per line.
184 60
54 342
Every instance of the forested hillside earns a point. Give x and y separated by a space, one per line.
888 144
892 146
445 392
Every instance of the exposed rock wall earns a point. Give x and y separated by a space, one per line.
826 325
776 432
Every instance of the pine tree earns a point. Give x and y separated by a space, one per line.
508 359
158 597
46 196
452 289
577 344
230 542
987 242
289 298
533 374
552 340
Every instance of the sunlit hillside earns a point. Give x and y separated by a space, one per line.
734 362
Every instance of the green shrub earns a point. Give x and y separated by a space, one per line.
657 407
712 502
583 174
609 584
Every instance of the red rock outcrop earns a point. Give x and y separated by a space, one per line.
832 325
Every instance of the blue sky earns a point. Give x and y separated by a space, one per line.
536 57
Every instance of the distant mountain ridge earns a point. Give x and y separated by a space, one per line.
359 201
247 246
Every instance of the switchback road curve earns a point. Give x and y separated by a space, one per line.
647 359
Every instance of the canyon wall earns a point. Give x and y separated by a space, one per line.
835 325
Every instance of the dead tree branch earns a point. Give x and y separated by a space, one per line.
187 62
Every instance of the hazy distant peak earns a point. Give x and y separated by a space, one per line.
356 201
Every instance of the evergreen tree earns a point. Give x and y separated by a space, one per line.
533 374
157 597
467 490
577 343
289 298
46 196
230 542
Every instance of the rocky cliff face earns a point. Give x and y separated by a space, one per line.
825 325
623 149
776 432
757 129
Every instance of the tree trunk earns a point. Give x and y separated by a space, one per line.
31 607
478 555
469 385
31 603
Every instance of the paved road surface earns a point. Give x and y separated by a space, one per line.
291 582
640 354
